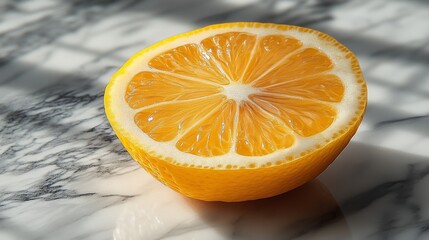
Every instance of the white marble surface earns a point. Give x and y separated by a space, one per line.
64 175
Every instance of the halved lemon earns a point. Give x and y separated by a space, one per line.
237 111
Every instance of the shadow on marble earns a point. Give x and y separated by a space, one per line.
305 212
382 192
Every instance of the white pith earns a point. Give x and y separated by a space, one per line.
346 108
239 92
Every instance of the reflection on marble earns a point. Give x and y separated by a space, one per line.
64 175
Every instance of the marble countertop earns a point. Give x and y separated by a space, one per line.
64 174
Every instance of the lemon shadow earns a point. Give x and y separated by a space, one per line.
306 212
